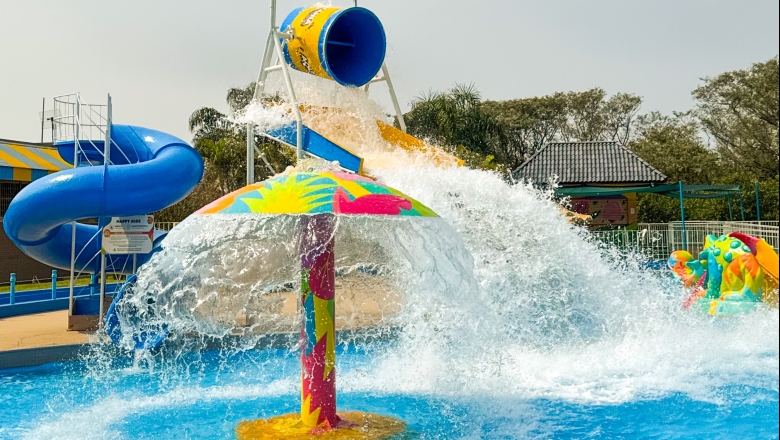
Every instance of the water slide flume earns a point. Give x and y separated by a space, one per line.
150 170
317 145
318 197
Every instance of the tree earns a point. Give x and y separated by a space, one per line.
528 124
673 146
456 118
739 109
204 193
593 117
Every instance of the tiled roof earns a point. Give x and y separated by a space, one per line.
587 162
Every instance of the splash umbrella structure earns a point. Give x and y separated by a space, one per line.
318 197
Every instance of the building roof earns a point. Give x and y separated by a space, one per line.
587 163
25 162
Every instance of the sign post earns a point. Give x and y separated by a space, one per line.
125 235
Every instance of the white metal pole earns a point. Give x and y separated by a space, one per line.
293 99
258 94
43 117
250 153
263 74
273 15
73 224
106 162
398 113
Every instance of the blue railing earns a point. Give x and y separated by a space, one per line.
20 302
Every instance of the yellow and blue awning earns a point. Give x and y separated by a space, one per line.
25 163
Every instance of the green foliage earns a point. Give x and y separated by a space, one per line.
528 124
511 131
478 161
739 110
453 118
674 147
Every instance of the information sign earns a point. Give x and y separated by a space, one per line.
129 235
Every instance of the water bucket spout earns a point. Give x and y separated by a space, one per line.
345 45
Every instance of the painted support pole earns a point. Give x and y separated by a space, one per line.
53 284
12 296
682 217
758 203
250 154
318 330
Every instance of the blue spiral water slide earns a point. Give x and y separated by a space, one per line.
149 170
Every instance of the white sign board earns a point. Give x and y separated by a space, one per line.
129 235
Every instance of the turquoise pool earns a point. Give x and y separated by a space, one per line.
204 395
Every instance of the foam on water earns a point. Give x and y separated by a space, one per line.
98 421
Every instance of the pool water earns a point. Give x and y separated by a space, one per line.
205 395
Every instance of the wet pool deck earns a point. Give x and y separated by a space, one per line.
39 338
38 330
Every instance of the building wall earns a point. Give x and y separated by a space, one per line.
12 260
608 211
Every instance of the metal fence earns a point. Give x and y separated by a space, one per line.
165 226
658 240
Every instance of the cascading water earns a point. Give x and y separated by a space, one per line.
498 320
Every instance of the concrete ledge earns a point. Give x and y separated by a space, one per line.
28 308
29 357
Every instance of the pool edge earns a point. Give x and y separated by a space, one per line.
34 356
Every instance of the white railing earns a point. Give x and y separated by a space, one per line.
76 120
85 124
165 226
658 240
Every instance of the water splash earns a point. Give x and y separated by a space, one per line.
500 295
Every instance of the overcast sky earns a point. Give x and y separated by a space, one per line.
160 60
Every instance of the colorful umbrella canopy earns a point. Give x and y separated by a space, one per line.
318 193
318 196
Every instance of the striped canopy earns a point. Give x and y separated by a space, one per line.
25 163
315 193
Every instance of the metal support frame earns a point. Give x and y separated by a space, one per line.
274 45
106 162
43 117
76 148
385 76
86 124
